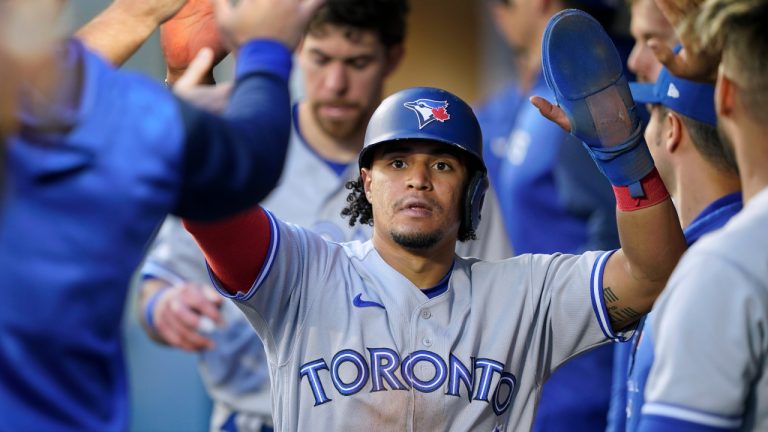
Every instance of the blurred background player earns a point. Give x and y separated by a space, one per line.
647 23
709 371
98 162
347 54
553 197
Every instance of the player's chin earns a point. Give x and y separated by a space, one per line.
417 237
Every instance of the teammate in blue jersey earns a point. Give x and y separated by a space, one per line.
96 165
703 180
398 333
553 197
700 173
709 371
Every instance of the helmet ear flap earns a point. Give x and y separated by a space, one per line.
473 203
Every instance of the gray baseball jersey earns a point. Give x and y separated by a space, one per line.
353 345
309 194
711 344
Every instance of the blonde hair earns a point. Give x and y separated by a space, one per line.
735 29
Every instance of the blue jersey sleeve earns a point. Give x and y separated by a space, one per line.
233 161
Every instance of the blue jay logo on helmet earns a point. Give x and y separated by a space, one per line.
428 110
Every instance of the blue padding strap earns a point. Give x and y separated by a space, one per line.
624 164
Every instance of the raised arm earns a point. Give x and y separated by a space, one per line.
233 161
118 31
585 72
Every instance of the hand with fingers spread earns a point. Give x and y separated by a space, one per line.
183 36
281 20
694 61
180 315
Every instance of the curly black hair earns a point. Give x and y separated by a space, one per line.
358 209
385 17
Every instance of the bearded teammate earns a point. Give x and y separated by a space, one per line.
399 333
349 50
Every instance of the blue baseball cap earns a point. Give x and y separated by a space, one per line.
691 99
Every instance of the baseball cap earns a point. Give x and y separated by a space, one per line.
691 99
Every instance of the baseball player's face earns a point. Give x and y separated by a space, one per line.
415 188
514 21
648 22
344 71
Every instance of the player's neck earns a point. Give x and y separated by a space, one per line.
424 268
329 148
699 185
751 149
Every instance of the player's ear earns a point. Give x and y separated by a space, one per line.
365 178
673 131
395 55
723 94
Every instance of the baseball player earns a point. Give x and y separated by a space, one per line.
97 165
709 371
704 183
553 198
349 50
699 170
398 332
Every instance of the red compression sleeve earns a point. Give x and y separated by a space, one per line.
235 247
654 193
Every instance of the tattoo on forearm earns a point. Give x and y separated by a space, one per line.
618 315
624 315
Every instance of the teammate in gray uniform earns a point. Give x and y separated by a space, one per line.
399 333
350 49
710 370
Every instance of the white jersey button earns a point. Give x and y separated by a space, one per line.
427 341
426 314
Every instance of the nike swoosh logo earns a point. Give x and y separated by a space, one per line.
359 302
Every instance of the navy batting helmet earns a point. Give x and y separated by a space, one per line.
432 114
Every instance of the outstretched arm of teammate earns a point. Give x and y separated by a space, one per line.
118 31
233 161
596 107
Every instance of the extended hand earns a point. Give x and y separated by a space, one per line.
183 36
690 63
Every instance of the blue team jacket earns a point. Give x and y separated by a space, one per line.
81 203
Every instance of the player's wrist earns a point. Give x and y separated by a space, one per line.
652 192
625 165
149 308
